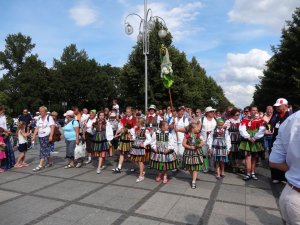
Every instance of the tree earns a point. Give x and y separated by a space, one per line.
80 81
282 75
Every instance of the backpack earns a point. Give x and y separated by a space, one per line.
56 134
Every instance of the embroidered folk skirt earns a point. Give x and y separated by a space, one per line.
251 148
219 148
192 160
124 144
163 161
100 146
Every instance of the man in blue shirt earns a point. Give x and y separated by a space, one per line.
285 156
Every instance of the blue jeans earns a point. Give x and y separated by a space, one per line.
268 142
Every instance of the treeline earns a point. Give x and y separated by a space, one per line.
282 76
79 80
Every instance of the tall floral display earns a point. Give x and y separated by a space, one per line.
166 70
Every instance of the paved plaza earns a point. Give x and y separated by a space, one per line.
79 196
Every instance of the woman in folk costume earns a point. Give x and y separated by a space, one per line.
252 130
232 125
219 144
102 137
141 138
163 156
192 156
125 143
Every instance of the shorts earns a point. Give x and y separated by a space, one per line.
22 147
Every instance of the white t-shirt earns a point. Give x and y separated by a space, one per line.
180 123
207 126
89 125
43 126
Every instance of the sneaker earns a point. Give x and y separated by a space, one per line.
247 177
102 167
49 165
253 176
218 177
140 179
205 171
275 181
131 170
98 170
88 162
116 170
78 165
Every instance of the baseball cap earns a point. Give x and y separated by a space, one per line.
281 101
69 113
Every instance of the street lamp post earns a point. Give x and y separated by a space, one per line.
147 24
64 104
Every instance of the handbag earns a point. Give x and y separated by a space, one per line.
79 151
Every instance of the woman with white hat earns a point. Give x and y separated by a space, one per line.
71 133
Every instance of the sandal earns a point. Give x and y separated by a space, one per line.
25 164
247 177
18 165
253 176
38 168
116 170
165 180
193 186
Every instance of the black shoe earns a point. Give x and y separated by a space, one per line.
193 186
116 170
247 177
253 176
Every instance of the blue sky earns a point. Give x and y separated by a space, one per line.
230 38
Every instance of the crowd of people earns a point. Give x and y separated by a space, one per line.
164 139
168 140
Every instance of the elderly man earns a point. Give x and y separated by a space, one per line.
208 123
274 124
285 156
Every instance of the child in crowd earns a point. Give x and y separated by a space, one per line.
103 135
192 156
141 138
22 140
2 149
219 146
163 156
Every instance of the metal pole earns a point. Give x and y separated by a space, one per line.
145 53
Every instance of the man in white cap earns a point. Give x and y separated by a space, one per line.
277 119
208 123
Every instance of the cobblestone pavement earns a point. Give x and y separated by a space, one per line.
61 196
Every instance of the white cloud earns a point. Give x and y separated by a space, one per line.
83 14
244 67
178 19
239 76
272 13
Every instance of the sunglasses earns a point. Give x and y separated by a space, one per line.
246 111
197 112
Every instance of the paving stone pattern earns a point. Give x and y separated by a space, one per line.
78 196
